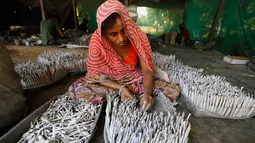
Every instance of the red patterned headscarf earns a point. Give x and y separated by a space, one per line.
102 59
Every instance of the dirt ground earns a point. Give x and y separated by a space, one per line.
21 54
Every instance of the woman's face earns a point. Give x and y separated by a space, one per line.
116 34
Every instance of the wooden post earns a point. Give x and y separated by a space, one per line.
74 12
185 10
42 9
126 2
129 2
215 20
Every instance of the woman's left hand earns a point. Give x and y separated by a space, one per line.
146 102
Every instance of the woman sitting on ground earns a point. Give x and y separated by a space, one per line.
120 60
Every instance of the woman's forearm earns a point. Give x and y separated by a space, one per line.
122 91
111 84
148 83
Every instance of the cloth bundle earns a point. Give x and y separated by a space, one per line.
12 101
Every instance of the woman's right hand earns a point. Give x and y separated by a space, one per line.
125 94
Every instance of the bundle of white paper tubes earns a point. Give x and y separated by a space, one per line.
73 33
80 43
33 74
65 121
76 39
125 123
70 61
49 67
210 93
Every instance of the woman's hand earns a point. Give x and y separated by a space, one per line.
146 102
125 94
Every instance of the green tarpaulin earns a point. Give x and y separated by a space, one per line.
235 30
153 18
234 33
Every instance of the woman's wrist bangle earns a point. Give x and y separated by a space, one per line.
121 88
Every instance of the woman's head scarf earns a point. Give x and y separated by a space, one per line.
102 59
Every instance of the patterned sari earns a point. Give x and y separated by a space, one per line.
104 64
